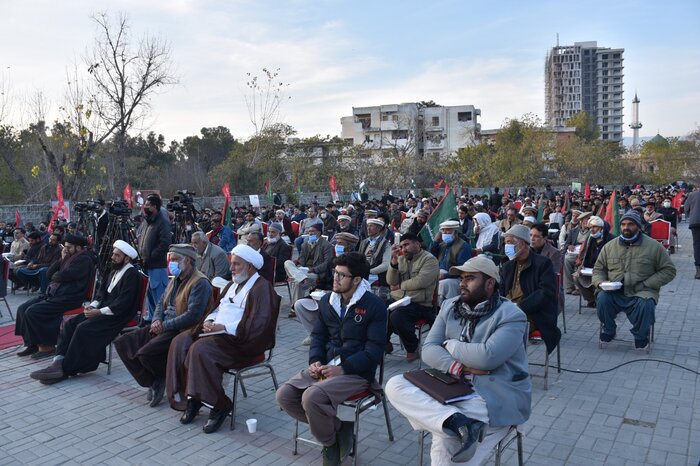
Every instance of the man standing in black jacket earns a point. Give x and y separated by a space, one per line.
347 344
153 248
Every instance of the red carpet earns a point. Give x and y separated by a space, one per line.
8 337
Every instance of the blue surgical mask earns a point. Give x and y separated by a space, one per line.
510 251
597 235
313 238
339 249
629 240
447 237
174 268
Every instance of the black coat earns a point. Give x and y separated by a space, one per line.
156 242
74 279
358 339
537 282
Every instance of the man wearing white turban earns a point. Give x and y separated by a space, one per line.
81 346
235 334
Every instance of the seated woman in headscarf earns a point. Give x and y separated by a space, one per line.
486 233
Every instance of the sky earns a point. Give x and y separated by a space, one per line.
338 55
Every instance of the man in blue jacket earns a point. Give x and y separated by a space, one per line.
346 347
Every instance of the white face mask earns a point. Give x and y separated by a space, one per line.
667 204
324 215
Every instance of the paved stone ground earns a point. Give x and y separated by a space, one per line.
641 413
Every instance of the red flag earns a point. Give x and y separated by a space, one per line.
18 219
587 191
565 207
677 200
225 214
332 184
612 214
438 184
60 206
447 188
127 194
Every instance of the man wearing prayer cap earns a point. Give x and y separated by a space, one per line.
39 319
183 304
345 225
376 248
84 337
235 334
450 250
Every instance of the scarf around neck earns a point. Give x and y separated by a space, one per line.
469 317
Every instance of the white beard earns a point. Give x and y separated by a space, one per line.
273 240
240 278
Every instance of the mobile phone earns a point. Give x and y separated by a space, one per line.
397 238
441 376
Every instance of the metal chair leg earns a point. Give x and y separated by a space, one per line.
8 309
233 406
558 359
519 437
356 434
546 368
390 431
296 435
421 440
109 359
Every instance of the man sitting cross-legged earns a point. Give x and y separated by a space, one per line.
477 336
240 329
81 346
346 348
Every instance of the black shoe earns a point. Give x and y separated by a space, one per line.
469 434
34 289
158 388
641 345
54 371
345 439
591 304
606 337
53 381
216 418
28 351
191 411
149 395
331 455
43 354
388 348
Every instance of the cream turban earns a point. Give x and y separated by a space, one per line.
249 255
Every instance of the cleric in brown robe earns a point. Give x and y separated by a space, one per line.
234 335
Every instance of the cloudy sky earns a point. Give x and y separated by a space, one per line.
335 55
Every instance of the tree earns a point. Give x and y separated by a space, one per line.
125 76
586 126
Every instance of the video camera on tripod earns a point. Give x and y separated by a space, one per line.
91 205
120 208
182 205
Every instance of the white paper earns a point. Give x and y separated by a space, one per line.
587 271
405 301
254 200
206 334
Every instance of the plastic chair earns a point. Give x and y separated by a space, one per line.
661 232
360 403
285 282
89 293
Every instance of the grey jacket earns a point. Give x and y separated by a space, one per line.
498 346
214 262
692 209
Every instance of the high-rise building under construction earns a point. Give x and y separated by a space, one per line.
585 77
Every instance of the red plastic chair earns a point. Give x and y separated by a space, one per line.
661 232
295 228
264 229
3 285
89 293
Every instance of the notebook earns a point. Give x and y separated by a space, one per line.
441 391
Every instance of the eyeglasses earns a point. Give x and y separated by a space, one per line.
340 276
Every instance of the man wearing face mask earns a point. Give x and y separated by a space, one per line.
670 214
643 267
153 249
528 280
234 334
314 270
450 251
81 346
186 299
306 309
329 223
276 247
212 260
590 250
480 337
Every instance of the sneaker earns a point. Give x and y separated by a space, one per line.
307 341
641 345
606 337
469 435
331 455
535 335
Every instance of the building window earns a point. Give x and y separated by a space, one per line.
464 116
400 134
367 140
436 121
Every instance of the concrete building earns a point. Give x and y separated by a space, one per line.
585 77
412 128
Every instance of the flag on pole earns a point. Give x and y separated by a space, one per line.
612 214
226 212
126 194
438 185
268 190
298 185
445 210
540 209
587 191
334 188
18 218
447 188
565 207
60 205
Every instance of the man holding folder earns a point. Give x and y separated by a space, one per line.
478 338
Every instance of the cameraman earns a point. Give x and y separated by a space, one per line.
153 249
102 220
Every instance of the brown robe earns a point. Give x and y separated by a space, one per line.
196 365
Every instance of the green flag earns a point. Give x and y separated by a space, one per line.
445 210
540 209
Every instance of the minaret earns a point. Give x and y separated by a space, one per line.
636 124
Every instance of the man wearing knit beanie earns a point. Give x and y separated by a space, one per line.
628 275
